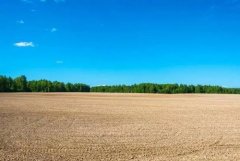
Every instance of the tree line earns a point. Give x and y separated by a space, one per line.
165 89
21 84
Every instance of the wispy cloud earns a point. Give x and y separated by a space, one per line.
20 22
59 1
53 29
32 1
27 1
24 44
59 62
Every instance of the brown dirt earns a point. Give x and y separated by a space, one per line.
119 127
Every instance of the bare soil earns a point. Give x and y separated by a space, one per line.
69 126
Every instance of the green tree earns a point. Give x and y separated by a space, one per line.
20 84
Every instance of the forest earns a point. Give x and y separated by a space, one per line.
21 84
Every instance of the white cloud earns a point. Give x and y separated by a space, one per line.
24 44
20 22
59 62
53 29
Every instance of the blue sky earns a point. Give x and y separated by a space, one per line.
122 41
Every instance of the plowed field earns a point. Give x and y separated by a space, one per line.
69 126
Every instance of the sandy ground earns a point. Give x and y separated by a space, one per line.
115 127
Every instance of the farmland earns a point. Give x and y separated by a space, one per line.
97 126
